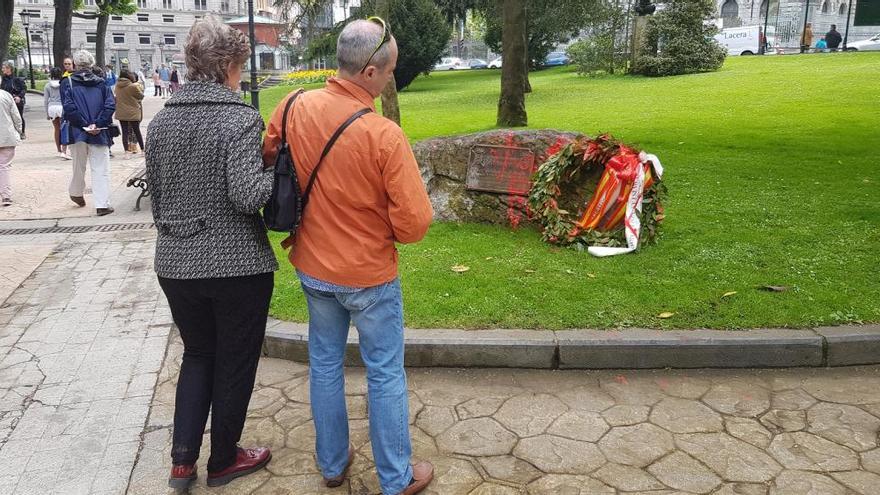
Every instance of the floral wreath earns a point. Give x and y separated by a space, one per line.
600 221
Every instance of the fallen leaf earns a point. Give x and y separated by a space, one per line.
666 315
570 272
488 258
773 288
681 142
460 268
591 275
530 271
728 294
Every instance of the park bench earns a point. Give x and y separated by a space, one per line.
139 179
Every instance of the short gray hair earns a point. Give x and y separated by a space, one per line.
355 44
211 47
83 59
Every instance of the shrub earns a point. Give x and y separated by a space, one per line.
679 40
301 77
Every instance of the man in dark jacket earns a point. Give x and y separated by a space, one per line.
17 88
833 38
88 107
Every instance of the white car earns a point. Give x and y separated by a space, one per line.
451 63
495 64
872 43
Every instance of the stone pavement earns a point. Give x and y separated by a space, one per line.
498 432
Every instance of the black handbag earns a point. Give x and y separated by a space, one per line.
284 210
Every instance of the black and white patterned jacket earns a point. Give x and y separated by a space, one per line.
207 185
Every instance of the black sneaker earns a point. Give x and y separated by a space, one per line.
104 211
7 202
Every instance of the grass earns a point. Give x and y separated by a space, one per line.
773 171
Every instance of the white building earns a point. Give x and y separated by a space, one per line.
787 18
155 34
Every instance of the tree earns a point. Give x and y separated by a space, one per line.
597 52
17 43
512 102
7 13
104 9
390 104
679 40
61 29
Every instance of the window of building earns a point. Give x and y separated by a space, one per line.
842 9
167 18
119 38
170 39
824 7
144 38
32 13
33 2
143 17
166 4
198 17
36 37
142 4
90 3
224 5
91 37
201 4
115 17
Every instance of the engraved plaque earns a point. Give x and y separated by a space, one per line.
501 169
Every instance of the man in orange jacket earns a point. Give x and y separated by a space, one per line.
368 195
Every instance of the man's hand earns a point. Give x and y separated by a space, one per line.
16 99
93 131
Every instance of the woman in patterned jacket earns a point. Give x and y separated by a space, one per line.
207 185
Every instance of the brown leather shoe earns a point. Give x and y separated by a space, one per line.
423 473
337 480
246 462
182 476
79 200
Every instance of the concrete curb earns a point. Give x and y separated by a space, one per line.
601 349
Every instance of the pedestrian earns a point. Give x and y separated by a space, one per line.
175 80
833 38
16 87
368 196
807 38
88 107
141 78
157 83
10 137
165 80
68 67
130 111
213 257
110 77
55 108
821 45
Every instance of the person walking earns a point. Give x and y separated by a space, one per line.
368 195
55 108
130 111
175 81
10 137
110 78
157 83
807 38
16 87
833 38
165 80
213 259
88 107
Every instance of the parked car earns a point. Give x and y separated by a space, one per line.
495 64
872 43
556 58
476 63
450 63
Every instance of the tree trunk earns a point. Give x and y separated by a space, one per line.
390 104
7 11
527 85
101 42
61 30
512 103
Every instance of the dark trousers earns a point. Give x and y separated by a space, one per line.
222 322
131 131
20 106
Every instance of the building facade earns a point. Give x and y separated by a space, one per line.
152 36
786 18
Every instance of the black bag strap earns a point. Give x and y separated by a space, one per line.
327 148
287 107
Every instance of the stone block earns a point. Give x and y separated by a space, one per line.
851 345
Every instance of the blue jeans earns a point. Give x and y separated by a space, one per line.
377 312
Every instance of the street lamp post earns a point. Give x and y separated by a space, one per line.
804 30
255 94
47 41
25 23
161 45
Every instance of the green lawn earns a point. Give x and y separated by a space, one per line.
773 171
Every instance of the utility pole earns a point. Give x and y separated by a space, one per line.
255 93
846 31
804 30
766 23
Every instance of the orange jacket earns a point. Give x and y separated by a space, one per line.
368 195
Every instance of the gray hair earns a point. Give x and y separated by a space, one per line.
355 44
83 59
211 47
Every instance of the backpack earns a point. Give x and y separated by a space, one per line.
284 210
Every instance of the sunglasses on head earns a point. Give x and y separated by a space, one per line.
386 36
